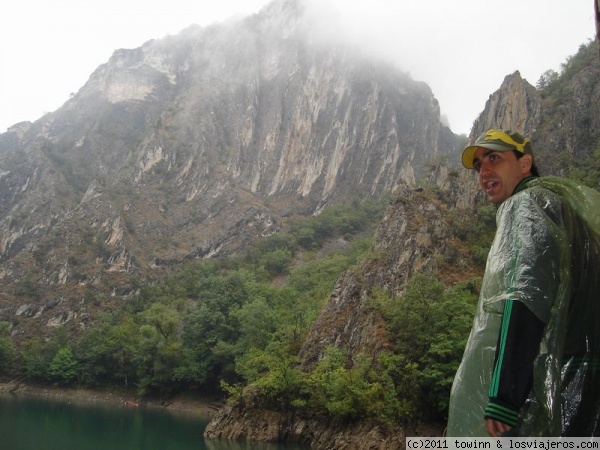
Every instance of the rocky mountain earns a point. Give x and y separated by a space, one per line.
561 116
192 146
195 145
419 236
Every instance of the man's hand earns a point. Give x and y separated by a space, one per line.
496 428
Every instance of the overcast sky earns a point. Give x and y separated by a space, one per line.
463 49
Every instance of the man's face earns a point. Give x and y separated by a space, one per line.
500 172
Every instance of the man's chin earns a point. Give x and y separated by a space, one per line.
495 199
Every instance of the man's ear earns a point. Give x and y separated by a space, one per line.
526 163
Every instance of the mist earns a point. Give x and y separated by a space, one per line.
462 50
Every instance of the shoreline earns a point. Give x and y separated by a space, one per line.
197 405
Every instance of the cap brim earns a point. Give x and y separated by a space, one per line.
469 153
467 156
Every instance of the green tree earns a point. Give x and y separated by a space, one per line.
430 325
160 352
36 357
204 327
257 321
64 368
8 353
110 352
400 379
162 317
306 238
277 261
548 77
211 329
35 361
158 360
351 390
586 169
275 374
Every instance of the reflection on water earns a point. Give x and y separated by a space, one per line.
37 424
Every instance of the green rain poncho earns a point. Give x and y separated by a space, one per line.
546 254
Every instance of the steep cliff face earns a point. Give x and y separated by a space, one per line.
414 238
562 116
196 144
569 130
516 105
417 236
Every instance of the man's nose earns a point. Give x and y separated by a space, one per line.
484 167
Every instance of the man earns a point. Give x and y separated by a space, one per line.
530 367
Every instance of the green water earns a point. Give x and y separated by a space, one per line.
35 424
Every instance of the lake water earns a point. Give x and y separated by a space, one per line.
37 424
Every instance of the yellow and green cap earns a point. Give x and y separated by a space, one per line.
498 140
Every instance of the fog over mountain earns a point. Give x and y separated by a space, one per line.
193 146
441 43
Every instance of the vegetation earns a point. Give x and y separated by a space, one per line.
587 169
194 328
569 121
237 326
429 325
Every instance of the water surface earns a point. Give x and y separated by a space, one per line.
28 423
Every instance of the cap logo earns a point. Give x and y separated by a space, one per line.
499 135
